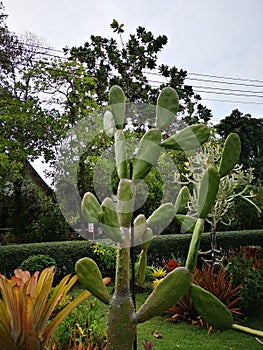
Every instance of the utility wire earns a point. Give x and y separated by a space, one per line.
198 89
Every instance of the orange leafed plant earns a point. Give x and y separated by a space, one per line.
217 283
27 305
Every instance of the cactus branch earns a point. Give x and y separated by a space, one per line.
194 245
248 330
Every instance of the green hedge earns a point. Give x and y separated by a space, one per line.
162 248
165 246
64 253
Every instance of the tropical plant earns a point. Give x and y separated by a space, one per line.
27 305
217 282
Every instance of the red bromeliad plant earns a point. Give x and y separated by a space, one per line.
217 283
27 305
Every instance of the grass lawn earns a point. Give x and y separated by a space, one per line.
185 336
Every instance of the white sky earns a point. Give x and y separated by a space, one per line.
222 38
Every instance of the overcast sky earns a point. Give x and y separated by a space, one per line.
222 38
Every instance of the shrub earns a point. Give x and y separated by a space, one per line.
85 326
37 263
66 253
245 265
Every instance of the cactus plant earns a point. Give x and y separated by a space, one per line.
117 222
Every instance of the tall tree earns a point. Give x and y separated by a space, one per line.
250 131
127 64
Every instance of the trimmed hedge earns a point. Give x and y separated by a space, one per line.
64 253
162 248
165 246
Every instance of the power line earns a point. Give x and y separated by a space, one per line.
224 82
199 89
224 77
232 101
159 74
227 93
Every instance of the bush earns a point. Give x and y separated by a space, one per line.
66 254
245 266
162 249
37 263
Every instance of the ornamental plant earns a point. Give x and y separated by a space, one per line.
214 280
119 225
27 305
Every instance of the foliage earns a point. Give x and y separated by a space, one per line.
106 254
252 220
42 218
245 266
27 305
37 263
217 282
66 253
126 65
85 326
235 184
39 100
250 131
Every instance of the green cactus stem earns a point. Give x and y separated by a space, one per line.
147 154
140 227
121 323
230 154
194 245
188 138
90 277
186 222
212 310
126 197
141 273
207 192
117 105
120 154
110 220
161 217
146 242
91 209
166 108
167 293
182 200
109 124
248 330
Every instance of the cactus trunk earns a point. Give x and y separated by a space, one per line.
121 323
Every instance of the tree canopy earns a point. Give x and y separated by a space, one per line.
129 64
250 131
